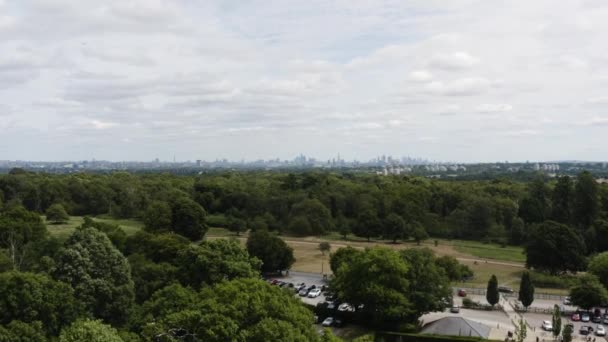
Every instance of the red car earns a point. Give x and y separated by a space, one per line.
462 293
576 317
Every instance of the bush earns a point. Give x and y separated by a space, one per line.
468 303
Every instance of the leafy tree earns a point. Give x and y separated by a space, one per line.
274 253
419 233
586 199
148 276
556 321
492 294
317 215
589 292
563 194
215 261
567 334
31 298
89 330
18 229
56 214
188 219
378 279
526 290
554 247
599 267
428 283
367 225
237 225
344 255
237 310
328 336
324 247
113 231
300 226
394 228
17 331
452 268
521 330
163 247
99 274
158 217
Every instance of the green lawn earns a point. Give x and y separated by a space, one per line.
489 251
130 226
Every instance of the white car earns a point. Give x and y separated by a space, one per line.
346 307
547 326
600 331
567 301
328 322
314 293
331 305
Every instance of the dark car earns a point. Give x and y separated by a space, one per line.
597 319
584 330
462 293
505 289
338 323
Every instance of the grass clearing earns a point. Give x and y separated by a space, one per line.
489 251
63 231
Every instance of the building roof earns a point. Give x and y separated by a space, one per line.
456 326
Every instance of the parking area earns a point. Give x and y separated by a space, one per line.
309 279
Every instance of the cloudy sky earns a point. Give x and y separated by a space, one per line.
456 80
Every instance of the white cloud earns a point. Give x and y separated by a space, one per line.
454 61
494 108
98 124
467 86
421 76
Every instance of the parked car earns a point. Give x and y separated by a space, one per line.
585 317
331 305
338 323
576 317
584 330
303 292
597 319
328 322
314 293
346 307
605 319
547 326
567 301
600 331
455 309
505 289
462 293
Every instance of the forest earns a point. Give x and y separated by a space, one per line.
166 282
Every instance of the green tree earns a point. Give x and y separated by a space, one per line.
521 330
113 231
20 228
588 292
377 279
492 294
452 268
324 247
556 321
89 330
99 274
237 225
419 233
157 217
313 211
214 261
30 298
274 253
526 290
554 247
599 267
394 228
563 194
17 331
149 277
586 200
567 334
367 225
188 219
428 283
344 255
56 214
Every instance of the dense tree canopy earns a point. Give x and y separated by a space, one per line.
99 274
274 253
555 247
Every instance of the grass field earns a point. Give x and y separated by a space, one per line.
489 251
64 230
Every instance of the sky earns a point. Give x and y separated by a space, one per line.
458 80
